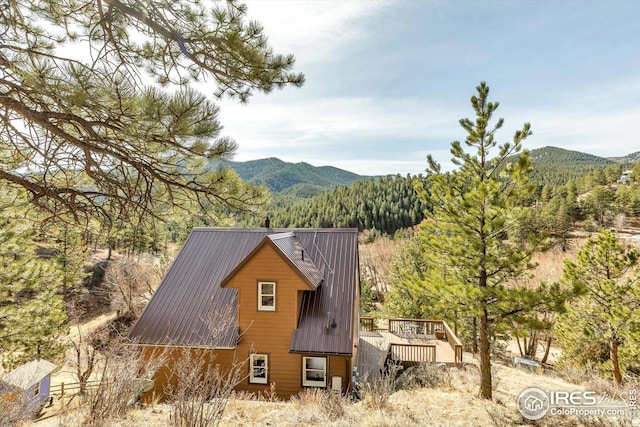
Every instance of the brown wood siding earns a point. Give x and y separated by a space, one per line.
161 377
285 388
270 332
340 366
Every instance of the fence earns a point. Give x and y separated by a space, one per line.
59 390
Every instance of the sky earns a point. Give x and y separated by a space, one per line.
388 81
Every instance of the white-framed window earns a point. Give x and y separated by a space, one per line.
36 390
314 371
267 296
258 368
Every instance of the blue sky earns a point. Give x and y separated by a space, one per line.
387 81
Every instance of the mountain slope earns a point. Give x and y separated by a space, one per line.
628 159
556 166
279 176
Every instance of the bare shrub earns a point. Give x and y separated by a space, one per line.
320 404
84 355
122 373
496 377
13 410
271 395
375 390
132 283
376 257
199 389
502 416
428 375
601 422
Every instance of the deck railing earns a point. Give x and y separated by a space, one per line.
368 324
413 352
415 326
454 342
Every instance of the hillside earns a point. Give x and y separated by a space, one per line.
450 400
628 159
387 204
301 179
556 166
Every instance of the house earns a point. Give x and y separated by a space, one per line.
28 385
625 178
285 300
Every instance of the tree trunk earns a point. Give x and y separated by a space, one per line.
615 364
548 349
519 346
474 339
485 357
532 349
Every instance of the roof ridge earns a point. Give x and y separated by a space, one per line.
277 230
282 235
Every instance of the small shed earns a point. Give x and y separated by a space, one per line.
28 383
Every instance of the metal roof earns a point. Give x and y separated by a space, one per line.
190 296
290 247
24 376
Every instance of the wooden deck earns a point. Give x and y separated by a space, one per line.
407 341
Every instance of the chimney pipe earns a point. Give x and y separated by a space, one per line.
267 222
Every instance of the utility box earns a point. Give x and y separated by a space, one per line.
336 385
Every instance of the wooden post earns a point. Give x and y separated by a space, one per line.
61 389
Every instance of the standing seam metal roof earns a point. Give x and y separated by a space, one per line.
291 248
25 376
190 297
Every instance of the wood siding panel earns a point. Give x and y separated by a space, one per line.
161 376
270 332
340 366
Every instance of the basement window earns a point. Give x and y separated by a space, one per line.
314 371
258 368
266 296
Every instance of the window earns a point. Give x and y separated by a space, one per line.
314 371
266 296
36 391
258 369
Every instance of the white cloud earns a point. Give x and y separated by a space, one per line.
374 134
295 124
605 134
314 31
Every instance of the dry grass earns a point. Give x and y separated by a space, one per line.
453 403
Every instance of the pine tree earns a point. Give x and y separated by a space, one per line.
83 130
473 213
608 308
31 309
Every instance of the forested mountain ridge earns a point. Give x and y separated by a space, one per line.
386 203
557 166
390 203
629 158
302 179
554 155
551 165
